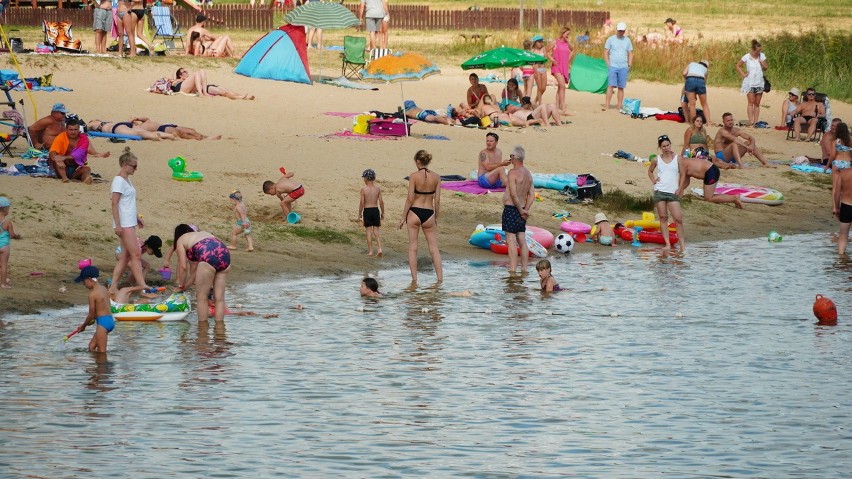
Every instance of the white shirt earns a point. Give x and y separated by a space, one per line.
696 69
669 175
127 214
754 78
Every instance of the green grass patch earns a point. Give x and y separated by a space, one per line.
321 235
817 180
617 200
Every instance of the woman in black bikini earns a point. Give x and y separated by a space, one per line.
421 212
137 23
126 128
196 83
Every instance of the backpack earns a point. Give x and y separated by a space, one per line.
162 86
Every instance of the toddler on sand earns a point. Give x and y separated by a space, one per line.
371 210
243 225
7 233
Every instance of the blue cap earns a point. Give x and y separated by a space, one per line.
4 202
89 272
60 107
537 38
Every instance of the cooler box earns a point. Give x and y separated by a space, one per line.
389 127
588 187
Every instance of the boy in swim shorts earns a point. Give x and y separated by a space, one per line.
286 190
99 309
371 210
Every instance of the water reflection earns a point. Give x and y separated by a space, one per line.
100 374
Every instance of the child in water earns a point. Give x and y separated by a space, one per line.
7 234
548 283
370 288
99 309
243 225
604 234
371 210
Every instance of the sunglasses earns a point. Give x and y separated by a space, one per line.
810 94
663 138
133 165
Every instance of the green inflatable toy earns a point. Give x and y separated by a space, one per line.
178 166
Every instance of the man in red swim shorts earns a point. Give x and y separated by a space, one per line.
286 190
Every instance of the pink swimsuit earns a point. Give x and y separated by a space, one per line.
561 56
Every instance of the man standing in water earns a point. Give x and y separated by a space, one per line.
517 201
491 174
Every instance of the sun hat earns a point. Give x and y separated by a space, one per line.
60 107
89 272
537 38
796 91
369 174
600 217
155 243
621 26
4 202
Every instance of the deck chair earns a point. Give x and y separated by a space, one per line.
59 35
353 56
12 119
823 123
166 27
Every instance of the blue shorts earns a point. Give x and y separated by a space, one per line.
617 77
483 182
721 156
696 85
424 113
107 322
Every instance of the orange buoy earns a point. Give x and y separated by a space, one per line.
825 310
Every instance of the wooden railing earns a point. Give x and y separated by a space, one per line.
403 17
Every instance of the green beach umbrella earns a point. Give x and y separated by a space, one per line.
327 16
503 57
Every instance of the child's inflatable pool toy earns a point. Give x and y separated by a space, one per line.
643 236
178 166
747 194
648 221
774 237
483 236
575 227
84 262
173 308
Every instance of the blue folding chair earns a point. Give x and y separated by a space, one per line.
166 27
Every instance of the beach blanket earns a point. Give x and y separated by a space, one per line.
356 136
557 182
810 168
469 186
341 114
347 83
21 87
447 178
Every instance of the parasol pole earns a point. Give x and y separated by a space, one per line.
404 116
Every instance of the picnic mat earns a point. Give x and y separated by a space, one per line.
469 186
347 83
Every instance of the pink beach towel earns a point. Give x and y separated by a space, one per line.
356 136
469 186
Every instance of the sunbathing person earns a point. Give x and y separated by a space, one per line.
429 116
529 114
196 83
126 128
184 132
205 46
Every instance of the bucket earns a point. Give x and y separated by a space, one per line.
84 262
293 217
166 273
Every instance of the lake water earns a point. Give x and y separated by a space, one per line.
712 367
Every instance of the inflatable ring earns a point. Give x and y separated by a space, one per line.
173 308
575 227
484 235
178 166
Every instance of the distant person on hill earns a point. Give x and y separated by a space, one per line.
673 32
732 143
618 53
753 80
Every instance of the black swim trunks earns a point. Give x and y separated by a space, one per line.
372 217
512 220
845 215
711 176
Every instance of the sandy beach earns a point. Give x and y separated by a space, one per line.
286 126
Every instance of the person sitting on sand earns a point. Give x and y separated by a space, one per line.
709 172
731 143
429 116
286 190
210 45
45 130
184 132
196 83
476 92
69 153
126 128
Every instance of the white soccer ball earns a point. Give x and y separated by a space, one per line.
564 243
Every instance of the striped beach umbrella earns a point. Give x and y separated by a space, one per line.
327 16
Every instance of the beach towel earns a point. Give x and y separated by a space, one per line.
469 186
347 83
341 114
671 117
356 136
806 168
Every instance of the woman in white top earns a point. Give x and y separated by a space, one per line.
666 183
753 80
125 218
789 106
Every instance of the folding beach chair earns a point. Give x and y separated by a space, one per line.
166 27
353 56
13 119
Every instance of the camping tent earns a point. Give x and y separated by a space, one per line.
588 74
279 55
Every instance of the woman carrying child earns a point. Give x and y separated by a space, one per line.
666 182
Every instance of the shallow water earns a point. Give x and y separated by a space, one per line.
712 367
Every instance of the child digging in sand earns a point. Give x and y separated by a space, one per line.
371 210
7 233
286 190
99 310
243 225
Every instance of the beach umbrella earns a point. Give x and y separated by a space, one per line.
399 67
503 57
322 15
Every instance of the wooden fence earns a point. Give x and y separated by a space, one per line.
403 17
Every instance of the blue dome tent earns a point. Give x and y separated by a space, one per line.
279 55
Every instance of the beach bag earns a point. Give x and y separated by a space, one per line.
588 187
631 106
162 86
361 124
767 87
